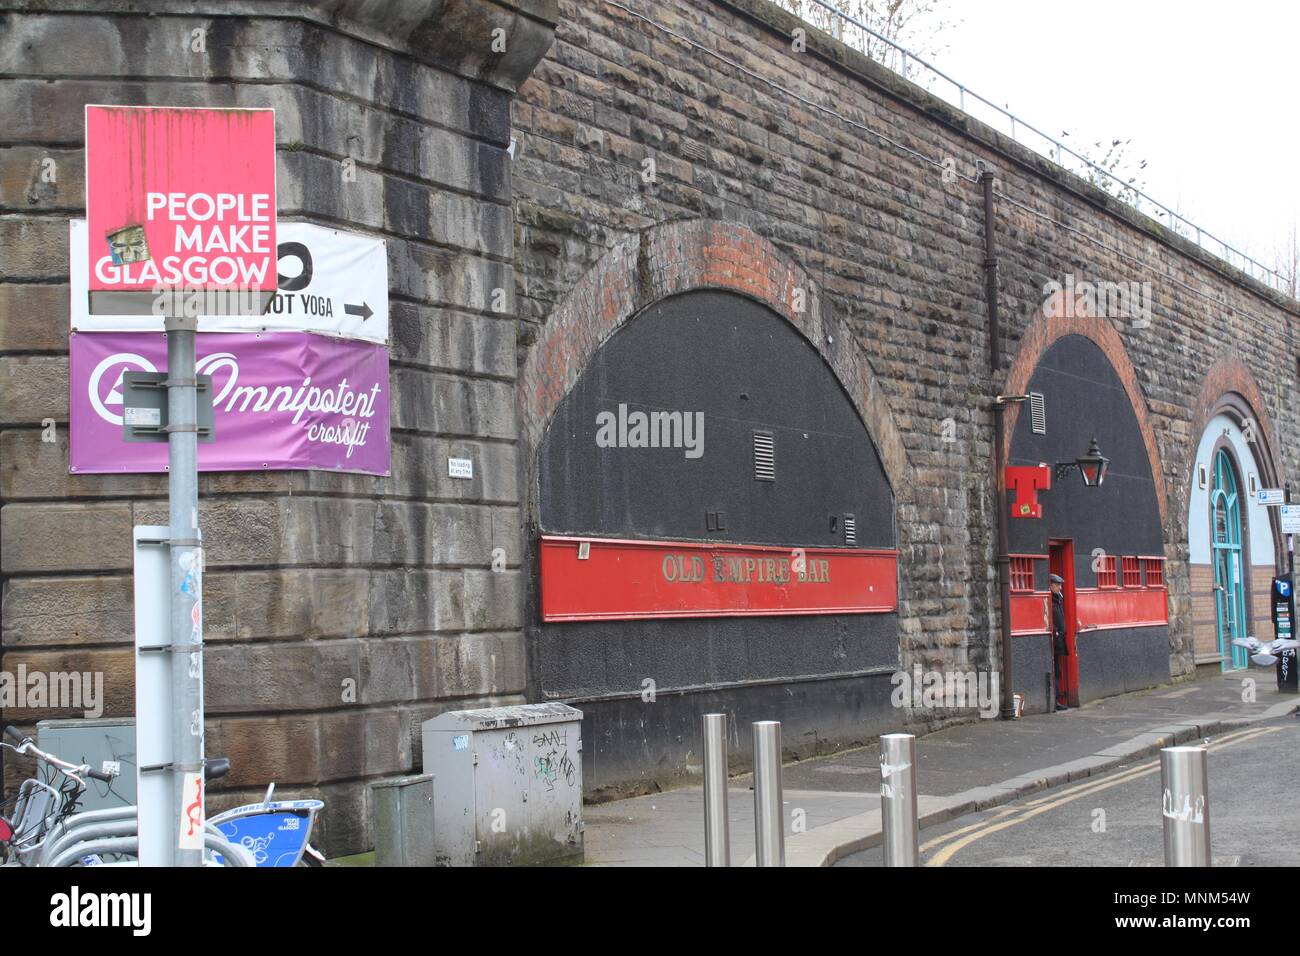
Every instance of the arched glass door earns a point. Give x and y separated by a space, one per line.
1229 579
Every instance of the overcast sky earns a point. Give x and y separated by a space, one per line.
1208 94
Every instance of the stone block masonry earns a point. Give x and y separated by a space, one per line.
686 145
740 129
341 610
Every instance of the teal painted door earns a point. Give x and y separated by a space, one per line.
1229 570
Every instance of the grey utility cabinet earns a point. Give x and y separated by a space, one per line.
403 817
105 743
508 788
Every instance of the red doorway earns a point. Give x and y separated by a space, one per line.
1060 560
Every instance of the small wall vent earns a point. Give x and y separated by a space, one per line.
1037 413
764 456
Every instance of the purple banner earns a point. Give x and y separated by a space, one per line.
281 400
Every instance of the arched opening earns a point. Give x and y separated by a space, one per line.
714 531
1106 542
1231 558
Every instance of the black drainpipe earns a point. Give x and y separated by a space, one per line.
1007 710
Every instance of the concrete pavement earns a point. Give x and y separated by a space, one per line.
833 804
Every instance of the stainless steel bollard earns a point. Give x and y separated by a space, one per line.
1185 805
717 829
769 809
898 824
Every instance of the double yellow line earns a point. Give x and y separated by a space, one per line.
953 842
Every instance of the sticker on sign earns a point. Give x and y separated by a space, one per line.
144 417
1270 496
329 281
1290 519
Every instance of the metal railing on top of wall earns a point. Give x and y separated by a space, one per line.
854 33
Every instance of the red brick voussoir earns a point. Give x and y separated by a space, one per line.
677 257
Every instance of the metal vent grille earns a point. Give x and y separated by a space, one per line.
1037 413
764 457
850 529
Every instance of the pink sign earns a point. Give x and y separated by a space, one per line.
179 199
281 400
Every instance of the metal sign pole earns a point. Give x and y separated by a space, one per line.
1290 543
186 594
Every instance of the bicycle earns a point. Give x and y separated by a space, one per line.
43 827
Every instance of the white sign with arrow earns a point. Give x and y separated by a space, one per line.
330 281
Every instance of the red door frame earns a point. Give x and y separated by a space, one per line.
1060 560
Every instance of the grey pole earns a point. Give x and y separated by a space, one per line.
717 829
769 808
898 822
186 591
1184 780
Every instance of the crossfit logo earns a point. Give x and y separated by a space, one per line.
104 398
105 387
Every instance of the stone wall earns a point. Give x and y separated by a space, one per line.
317 578
705 109
313 579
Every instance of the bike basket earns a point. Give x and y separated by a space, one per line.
274 833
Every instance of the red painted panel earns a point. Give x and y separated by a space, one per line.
1098 609
1029 614
1110 608
627 580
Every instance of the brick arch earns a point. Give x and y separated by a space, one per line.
1053 323
681 256
1230 388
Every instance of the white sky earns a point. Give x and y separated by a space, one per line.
1208 93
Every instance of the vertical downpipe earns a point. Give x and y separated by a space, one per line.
1007 711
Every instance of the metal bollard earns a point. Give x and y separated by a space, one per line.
898 825
717 829
769 810
1185 805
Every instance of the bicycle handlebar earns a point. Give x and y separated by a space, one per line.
67 769
13 733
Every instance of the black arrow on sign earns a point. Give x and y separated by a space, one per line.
362 310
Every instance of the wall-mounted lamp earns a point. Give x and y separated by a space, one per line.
1092 466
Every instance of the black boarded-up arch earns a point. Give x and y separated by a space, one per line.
746 369
1084 397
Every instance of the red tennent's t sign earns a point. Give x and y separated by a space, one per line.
595 579
180 201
